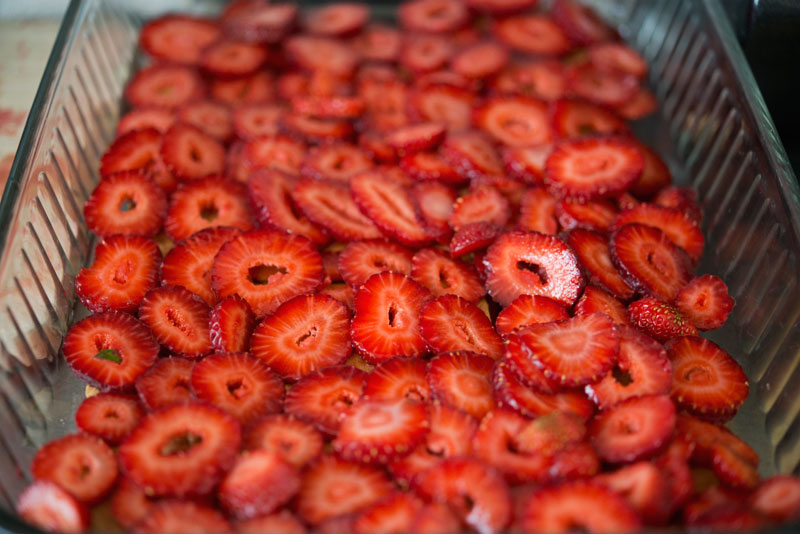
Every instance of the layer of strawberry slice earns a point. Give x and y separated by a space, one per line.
532 263
541 78
481 60
526 163
126 202
778 498
433 16
573 118
518 362
595 299
678 227
165 383
532 34
605 87
79 463
361 259
472 154
655 174
283 521
551 433
496 444
109 350
256 120
164 86
650 261
643 486
295 441
445 103
232 59
580 23
597 214
178 319
515 121
189 153
529 309
501 7
111 416
395 513
659 320
259 22
46 506
481 204
125 268
682 199
242 492
416 137
705 302
305 333
537 211
337 161
640 105
266 268
178 38
214 118
443 275
145 118
255 89
313 53
429 167
473 237
386 321
617 57
173 515
230 324
272 152
398 378
451 323
426 53
463 380
323 397
595 257
330 206
205 203
337 19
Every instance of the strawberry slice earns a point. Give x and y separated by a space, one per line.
643 486
338 162
597 214
361 259
110 416
178 319
481 204
678 228
425 52
659 320
386 321
255 89
642 104
605 87
778 498
205 203
532 263
474 491
434 205
329 107
444 103
241 493
433 16
330 206
332 487
543 78
642 368
532 34
124 269
537 212
127 203
720 509
81 464
655 174
515 121
682 199
395 513
472 155
518 362
378 431
48 507
592 251
293 440
551 433
232 59
705 302
273 152
341 292
145 118
529 309
496 444
305 333
573 118
322 397
501 7
213 118
480 60
165 383
414 138
474 237
109 350
189 263
443 275
174 515
398 378
579 504
266 268
257 120
189 153
337 19
580 23
450 323
526 163
462 379
707 381
178 38
633 429
284 522
574 352
429 167
260 22
230 324
650 261
617 57
313 53
164 86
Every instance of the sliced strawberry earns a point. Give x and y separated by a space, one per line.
537 211
178 38
335 525
496 444
361 259
532 34
462 379
341 292
481 204
109 350
518 362
574 118
655 174
480 60
213 118
682 199
283 522
450 323
677 226
551 433
474 237
650 261
707 381
165 383
526 163
321 54
260 22
605 87
378 42
705 301
339 162
126 202
515 121
443 103
231 59
542 78
778 498
322 397
617 57
175 515
443 275
274 152
124 269
255 89
330 206
242 492
178 319
398 378
659 320
579 504
534 264
374 143
386 105
328 107
643 486
472 154
330 263
164 86
529 309
642 368
295 441
580 23
501 7
110 416
189 153
205 203
256 120
81 464
426 52
48 507
597 214
433 16
475 492
266 268
145 118
305 333
642 104
592 251
130 504
394 513
230 324
414 138
434 205
719 509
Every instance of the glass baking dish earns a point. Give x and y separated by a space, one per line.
713 129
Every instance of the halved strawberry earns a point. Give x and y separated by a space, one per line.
593 252
642 368
677 226
110 416
330 206
480 60
605 87
255 89
659 320
305 333
474 237
443 275
434 205
110 350
705 301
778 498
361 259
338 162
643 486
256 120
537 211
597 214
178 319
650 261
442 103
472 154
395 513
450 323
313 53
462 379
178 38
543 78
284 522
496 444
573 118
81 464
323 397
529 309
124 269
378 42
682 199
214 118
515 121
425 52
48 507
386 321
532 34
655 174
205 203
164 86
433 16
580 23
189 153
579 504
534 264
230 324
295 441
398 378
266 268
258 484
173 515
126 202
273 152
145 118
231 59
481 204
165 383
260 22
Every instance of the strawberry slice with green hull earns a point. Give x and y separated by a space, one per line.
678 227
178 319
395 513
48 507
173 515
361 259
386 321
109 350
529 309
214 118
125 268
451 105
472 154
537 212
110 416
164 86
205 203
323 397
305 333
259 22
597 214
496 444
596 300
266 268
127 203
283 521
337 161
462 379
659 320
178 38
443 275
593 252
540 78
574 118
230 324
532 34
515 121
481 60
295 441
650 261
518 362
450 323
778 498
81 464
330 206
165 383
232 59
433 16
473 237
398 378
481 204
242 492
705 302
145 118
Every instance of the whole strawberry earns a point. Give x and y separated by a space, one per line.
659 320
